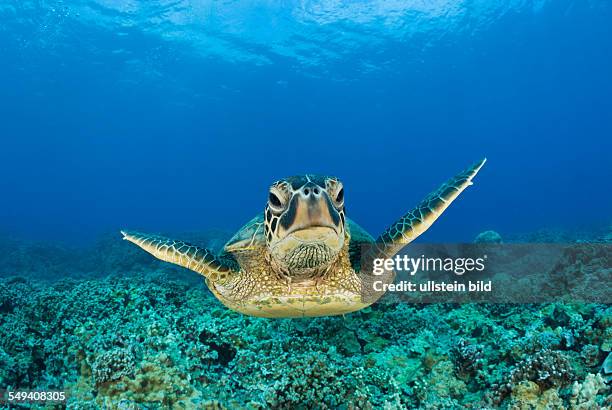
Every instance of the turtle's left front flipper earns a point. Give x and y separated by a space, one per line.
419 219
200 260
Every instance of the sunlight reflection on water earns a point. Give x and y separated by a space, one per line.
312 33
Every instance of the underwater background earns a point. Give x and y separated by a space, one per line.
176 116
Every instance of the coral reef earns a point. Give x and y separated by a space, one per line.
488 237
584 395
162 343
469 359
599 234
546 368
154 338
113 365
529 395
108 255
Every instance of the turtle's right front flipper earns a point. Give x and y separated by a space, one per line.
420 218
200 260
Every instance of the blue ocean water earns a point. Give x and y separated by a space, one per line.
177 115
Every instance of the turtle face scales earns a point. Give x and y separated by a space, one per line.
305 224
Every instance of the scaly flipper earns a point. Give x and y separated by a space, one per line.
200 260
419 219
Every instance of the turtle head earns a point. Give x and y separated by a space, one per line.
305 224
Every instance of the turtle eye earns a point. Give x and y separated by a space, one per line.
340 196
274 202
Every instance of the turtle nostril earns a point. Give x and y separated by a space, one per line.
316 191
306 191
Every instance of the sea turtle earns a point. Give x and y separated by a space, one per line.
301 256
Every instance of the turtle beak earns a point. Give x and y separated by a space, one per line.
310 207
